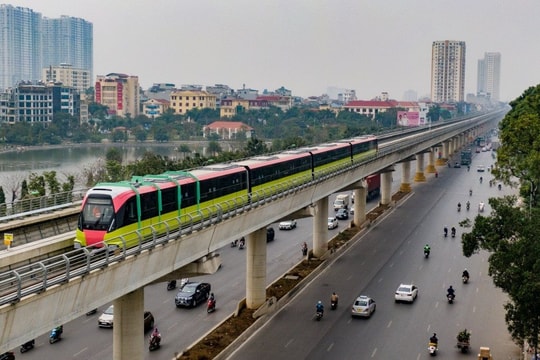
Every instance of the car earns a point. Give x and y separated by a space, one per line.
457 165
7 356
105 320
270 234
406 292
287 225
363 306
342 214
480 168
192 294
332 223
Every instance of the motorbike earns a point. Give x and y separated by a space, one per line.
470 192
234 243
459 207
426 253
481 179
171 285
465 279
155 342
56 334
211 305
481 207
468 206
453 232
432 347
445 232
450 298
318 315
499 186
29 345
333 305
241 244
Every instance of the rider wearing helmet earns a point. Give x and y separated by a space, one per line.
427 248
320 307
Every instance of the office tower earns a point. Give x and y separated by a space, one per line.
489 75
20 45
68 40
448 71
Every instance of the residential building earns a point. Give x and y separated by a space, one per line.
20 44
448 71
68 40
228 130
33 103
369 107
154 108
78 79
119 92
346 96
182 101
29 43
230 106
489 75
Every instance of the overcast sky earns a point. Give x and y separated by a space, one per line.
306 46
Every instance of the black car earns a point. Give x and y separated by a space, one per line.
192 294
270 234
342 214
7 356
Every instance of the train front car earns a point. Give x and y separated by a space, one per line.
97 216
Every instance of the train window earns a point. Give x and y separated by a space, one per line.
97 213
169 199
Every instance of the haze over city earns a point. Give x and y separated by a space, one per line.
305 46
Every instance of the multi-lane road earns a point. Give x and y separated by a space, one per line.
387 255
82 339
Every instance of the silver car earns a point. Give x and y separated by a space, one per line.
363 306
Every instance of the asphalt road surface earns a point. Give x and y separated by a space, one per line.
387 255
83 340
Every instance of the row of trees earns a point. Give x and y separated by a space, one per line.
512 231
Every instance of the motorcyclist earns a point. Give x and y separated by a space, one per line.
334 298
458 206
468 204
445 230
481 179
434 339
212 297
156 336
450 291
470 192
320 307
427 249
468 167
465 274
499 186
453 231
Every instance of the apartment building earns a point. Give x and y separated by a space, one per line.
448 71
182 101
119 92
66 74
489 76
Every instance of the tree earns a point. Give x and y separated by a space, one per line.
214 148
113 154
254 147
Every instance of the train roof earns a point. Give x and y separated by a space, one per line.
262 160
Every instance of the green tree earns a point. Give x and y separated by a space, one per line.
24 189
36 184
113 154
214 148
2 202
254 147
141 134
184 149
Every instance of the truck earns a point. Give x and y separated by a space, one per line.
373 187
341 202
466 157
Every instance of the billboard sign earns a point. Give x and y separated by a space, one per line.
408 118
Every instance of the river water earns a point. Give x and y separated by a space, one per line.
15 166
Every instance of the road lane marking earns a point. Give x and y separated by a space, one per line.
391 264
380 279
374 352
349 278
436 304
389 324
418 357
172 326
428 327
349 321
474 309
330 347
80 352
289 342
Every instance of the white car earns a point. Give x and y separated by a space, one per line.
106 319
363 306
481 168
332 223
406 292
287 225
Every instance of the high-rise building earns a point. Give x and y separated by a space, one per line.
119 92
20 45
68 40
448 71
489 75
29 43
65 73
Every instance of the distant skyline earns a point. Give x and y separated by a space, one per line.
306 46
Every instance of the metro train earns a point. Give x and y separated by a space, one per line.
119 214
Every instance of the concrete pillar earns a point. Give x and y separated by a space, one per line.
446 150
128 329
419 176
430 168
320 228
406 174
360 195
256 269
386 188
